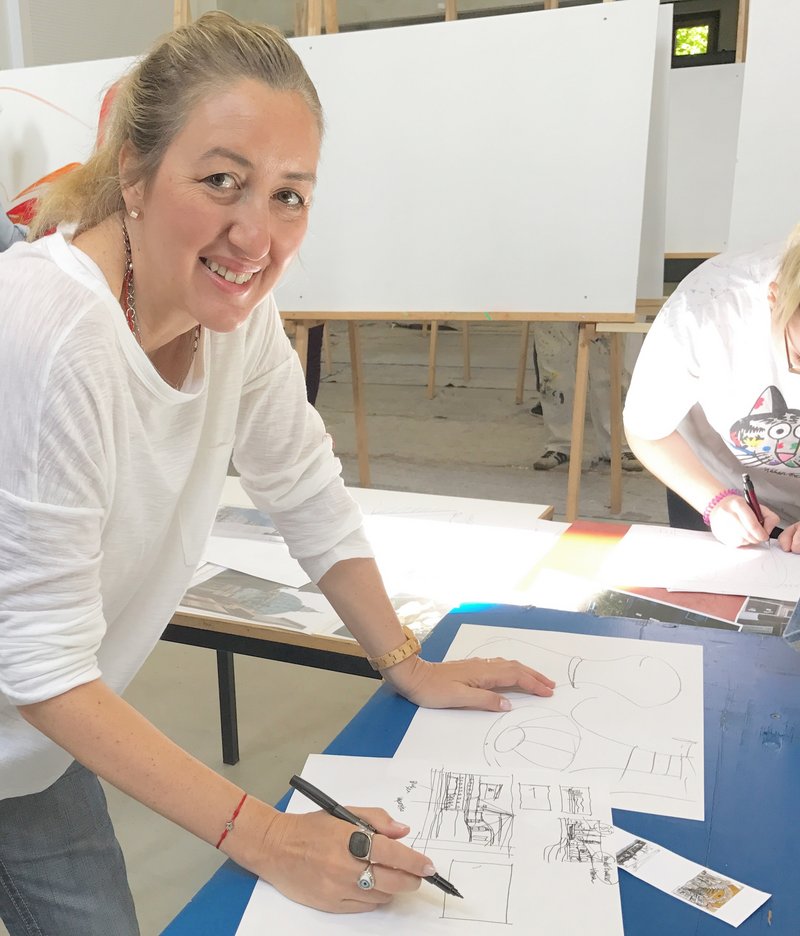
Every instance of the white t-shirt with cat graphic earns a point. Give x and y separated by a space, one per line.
714 368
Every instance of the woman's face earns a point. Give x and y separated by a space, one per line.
228 207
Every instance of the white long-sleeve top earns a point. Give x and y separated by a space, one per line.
110 480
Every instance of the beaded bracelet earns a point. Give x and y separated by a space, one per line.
716 499
229 824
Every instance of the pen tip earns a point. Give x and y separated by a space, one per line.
456 894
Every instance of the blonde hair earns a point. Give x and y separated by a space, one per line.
787 297
154 100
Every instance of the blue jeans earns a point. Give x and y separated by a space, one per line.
61 868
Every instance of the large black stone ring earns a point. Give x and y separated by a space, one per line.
360 844
366 880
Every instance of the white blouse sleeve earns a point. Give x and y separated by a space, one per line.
53 486
286 460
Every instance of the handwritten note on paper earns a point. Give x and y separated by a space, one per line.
519 845
688 560
626 714
718 894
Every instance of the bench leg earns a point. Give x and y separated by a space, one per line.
229 726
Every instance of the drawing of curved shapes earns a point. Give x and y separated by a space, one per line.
530 735
643 680
581 842
537 735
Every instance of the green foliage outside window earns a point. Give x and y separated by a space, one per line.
691 40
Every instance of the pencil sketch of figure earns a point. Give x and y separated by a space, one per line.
581 842
708 891
470 810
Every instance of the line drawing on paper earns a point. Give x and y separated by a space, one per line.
575 732
576 800
489 890
581 842
467 811
535 796
708 891
532 735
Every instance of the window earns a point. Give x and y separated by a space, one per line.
695 34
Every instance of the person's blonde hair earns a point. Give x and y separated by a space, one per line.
787 295
154 100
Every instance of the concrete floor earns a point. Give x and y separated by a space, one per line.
471 440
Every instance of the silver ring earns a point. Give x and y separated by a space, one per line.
366 880
360 844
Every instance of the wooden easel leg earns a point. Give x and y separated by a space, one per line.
432 360
465 348
301 343
522 366
586 332
615 363
358 405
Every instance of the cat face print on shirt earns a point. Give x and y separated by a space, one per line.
769 435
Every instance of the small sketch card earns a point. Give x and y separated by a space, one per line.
721 896
520 846
626 715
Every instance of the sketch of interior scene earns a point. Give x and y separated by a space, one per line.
708 891
473 811
576 800
535 796
534 735
633 856
487 892
581 842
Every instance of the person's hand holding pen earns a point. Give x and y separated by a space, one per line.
734 523
308 859
788 539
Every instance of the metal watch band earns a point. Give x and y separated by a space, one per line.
406 649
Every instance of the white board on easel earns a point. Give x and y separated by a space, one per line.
492 164
766 196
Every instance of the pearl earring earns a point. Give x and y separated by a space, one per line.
134 213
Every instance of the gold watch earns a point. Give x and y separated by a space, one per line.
411 645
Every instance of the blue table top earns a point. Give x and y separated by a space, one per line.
752 777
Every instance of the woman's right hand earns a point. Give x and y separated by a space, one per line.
735 524
307 859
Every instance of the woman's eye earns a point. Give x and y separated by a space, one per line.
221 180
290 199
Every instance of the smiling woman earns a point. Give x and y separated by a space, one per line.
135 359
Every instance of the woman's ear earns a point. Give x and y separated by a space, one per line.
772 295
132 193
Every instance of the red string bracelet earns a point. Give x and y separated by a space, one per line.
230 822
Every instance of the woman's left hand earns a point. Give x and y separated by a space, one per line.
465 683
789 540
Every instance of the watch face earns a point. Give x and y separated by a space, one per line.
360 845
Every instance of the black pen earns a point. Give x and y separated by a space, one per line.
753 504
335 809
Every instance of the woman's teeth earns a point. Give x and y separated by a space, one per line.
227 274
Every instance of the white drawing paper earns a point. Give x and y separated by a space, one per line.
265 559
519 846
714 893
688 560
626 714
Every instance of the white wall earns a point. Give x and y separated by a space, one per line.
10 35
704 120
